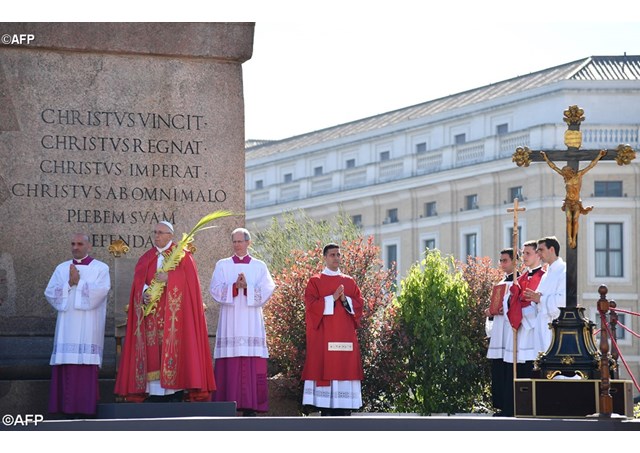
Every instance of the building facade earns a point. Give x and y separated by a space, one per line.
440 175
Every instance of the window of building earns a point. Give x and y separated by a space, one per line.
621 334
460 139
317 171
471 202
385 155
509 239
350 163
471 244
392 215
608 249
515 192
288 177
259 184
502 129
429 244
421 148
392 256
608 189
357 219
430 209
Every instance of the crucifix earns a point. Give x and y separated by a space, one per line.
515 235
572 175
515 211
572 352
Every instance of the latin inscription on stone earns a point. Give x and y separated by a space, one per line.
145 159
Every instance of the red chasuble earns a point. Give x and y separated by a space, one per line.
171 345
517 302
332 344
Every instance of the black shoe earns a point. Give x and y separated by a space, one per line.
177 397
249 413
335 412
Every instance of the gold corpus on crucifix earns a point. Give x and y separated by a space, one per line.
572 204
571 172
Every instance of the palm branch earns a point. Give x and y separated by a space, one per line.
172 260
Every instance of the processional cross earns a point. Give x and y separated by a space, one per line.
515 211
572 175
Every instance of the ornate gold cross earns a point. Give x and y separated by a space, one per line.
572 175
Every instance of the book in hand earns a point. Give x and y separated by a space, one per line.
497 295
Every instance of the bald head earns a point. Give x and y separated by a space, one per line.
80 245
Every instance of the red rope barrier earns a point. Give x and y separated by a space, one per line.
603 321
619 310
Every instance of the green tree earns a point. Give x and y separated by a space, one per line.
434 309
298 231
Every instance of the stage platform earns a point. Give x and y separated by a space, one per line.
356 422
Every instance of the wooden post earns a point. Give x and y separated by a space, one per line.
606 402
613 322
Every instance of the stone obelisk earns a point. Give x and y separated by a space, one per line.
106 129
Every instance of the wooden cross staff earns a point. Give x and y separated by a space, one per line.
515 211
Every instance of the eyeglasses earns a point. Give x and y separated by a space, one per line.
161 232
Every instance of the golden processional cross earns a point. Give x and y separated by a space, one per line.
515 235
572 176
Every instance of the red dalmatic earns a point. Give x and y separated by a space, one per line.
332 344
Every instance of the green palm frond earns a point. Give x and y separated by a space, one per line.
172 260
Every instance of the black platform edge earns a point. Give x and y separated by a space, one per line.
354 423
165 410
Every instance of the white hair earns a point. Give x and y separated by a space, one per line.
247 235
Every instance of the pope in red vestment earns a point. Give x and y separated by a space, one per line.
333 365
166 351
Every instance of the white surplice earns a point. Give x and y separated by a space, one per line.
500 328
553 290
241 331
82 309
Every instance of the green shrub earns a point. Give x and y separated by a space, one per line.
441 320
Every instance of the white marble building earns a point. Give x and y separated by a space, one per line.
440 175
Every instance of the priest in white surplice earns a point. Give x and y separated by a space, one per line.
78 290
241 285
499 330
551 294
